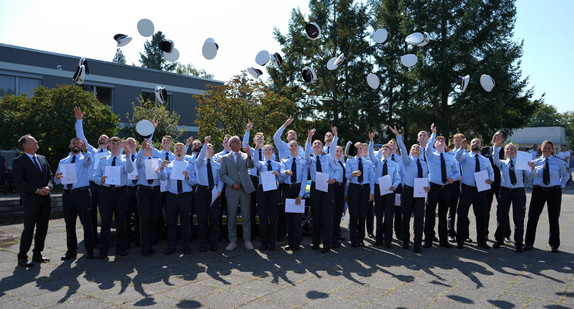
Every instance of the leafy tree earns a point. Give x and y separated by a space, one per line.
340 97
226 109
567 121
153 57
189 69
146 109
545 116
119 57
48 115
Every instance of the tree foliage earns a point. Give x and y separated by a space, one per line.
119 57
548 116
145 109
48 115
153 57
226 109
190 70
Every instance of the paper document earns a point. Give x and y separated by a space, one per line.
480 178
151 165
385 183
419 188
177 168
68 173
114 175
321 181
398 199
268 181
522 159
291 207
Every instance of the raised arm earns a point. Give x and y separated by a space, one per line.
80 128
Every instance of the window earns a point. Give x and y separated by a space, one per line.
17 85
103 94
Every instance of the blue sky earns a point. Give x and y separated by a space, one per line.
243 28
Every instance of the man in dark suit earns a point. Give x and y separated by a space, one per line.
238 188
32 174
498 140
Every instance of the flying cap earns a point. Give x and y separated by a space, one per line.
426 39
313 31
373 80
122 39
145 128
81 71
84 62
166 45
341 60
254 72
209 49
409 60
463 82
381 36
350 149
145 27
331 64
276 59
262 57
487 82
173 56
309 75
415 38
161 94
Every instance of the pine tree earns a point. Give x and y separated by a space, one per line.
119 57
153 57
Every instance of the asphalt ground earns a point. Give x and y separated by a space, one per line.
367 277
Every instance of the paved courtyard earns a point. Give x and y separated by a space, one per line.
368 277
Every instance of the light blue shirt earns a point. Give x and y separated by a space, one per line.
340 168
433 162
368 172
504 167
133 158
82 165
301 173
558 172
283 147
125 165
172 183
201 170
262 166
467 162
410 167
93 150
141 167
393 168
328 164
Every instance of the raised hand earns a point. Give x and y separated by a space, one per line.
433 128
288 121
394 130
371 136
249 125
78 113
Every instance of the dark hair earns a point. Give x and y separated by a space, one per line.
503 134
23 140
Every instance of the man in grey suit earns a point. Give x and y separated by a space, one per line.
235 174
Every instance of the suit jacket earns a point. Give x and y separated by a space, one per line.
28 178
488 153
237 173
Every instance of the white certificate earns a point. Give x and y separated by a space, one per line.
267 180
133 175
68 173
97 157
384 184
321 181
114 175
398 199
419 188
522 159
480 178
151 165
291 207
177 168
214 192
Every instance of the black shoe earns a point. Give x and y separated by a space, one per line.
445 245
152 251
388 245
361 244
40 259
169 251
519 249
295 248
451 239
214 248
25 263
336 245
527 247
483 246
146 253
507 239
427 245
203 249
68 256
496 245
325 250
287 248
405 245
355 244
554 249
315 247
435 239
378 243
468 240
417 249
187 250
89 255
460 246
102 256
271 248
371 236
341 238
121 252
263 247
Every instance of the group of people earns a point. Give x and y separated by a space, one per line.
270 181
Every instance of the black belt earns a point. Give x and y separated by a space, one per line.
178 194
434 185
547 188
512 189
116 188
291 185
149 187
74 190
469 187
205 187
359 185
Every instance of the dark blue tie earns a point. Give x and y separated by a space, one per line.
209 174
360 178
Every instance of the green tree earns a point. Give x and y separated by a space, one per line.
153 57
119 57
567 121
545 116
226 109
340 97
145 109
190 70
48 115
